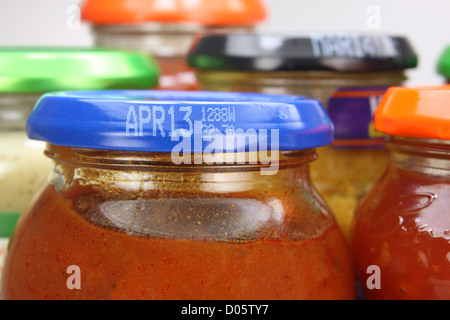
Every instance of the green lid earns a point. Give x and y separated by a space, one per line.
444 63
8 223
33 70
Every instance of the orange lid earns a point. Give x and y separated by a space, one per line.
415 112
206 12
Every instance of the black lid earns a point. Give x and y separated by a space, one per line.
340 52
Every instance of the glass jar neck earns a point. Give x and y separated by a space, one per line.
319 84
425 156
15 109
136 171
157 39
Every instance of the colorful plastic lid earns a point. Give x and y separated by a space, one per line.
415 112
40 70
205 12
444 63
8 222
156 121
342 52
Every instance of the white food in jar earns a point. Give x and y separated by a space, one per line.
23 170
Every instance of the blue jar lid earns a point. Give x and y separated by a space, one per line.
164 121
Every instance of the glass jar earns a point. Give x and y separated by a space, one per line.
349 74
162 195
358 154
25 75
401 232
312 65
166 30
443 66
23 168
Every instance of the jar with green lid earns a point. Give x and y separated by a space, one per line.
166 29
443 66
348 72
27 73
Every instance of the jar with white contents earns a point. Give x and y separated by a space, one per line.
24 75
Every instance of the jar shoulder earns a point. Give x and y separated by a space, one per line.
233 216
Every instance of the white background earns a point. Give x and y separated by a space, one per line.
425 22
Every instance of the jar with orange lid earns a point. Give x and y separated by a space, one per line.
166 29
401 232
179 195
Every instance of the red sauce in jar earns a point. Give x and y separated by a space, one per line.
403 227
117 265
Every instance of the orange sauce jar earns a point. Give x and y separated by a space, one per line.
133 212
165 29
401 230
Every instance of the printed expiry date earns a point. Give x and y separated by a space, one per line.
165 120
